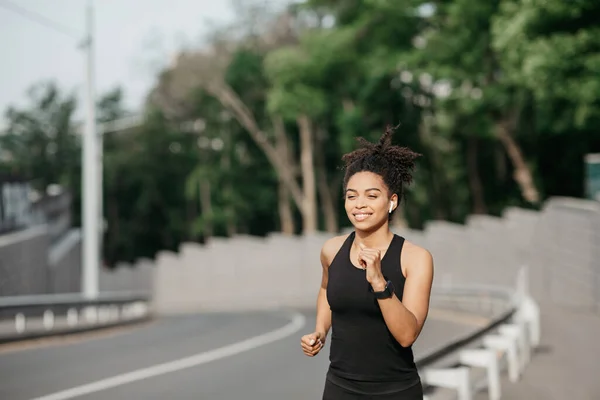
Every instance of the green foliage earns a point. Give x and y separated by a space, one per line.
553 48
297 99
41 139
449 76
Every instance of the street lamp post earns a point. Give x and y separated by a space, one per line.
90 175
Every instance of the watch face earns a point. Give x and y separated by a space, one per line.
390 287
387 292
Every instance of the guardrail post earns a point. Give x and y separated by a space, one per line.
20 323
529 311
484 358
508 345
48 319
517 330
91 314
457 378
72 317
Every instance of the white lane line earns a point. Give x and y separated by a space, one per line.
297 323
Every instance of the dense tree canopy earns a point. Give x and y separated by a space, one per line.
501 97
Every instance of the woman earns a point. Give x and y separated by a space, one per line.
375 287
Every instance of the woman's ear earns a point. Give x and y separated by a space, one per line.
393 202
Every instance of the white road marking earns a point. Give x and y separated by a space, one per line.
297 323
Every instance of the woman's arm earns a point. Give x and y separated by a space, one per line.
323 321
313 343
406 318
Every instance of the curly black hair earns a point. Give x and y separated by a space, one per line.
394 164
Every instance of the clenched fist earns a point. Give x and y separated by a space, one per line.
312 343
370 260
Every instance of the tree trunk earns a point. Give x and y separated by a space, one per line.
286 216
192 214
309 201
111 249
501 164
324 187
231 101
477 195
228 189
206 207
522 172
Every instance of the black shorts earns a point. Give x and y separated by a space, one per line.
336 392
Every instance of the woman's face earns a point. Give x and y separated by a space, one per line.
367 201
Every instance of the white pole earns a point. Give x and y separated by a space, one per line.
100 167
89 186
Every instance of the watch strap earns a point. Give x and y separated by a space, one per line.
387 292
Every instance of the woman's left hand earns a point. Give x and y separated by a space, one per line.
370 259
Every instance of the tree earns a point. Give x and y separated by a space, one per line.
299 77
41 139
456 48
545 42
205 70
145 189
359 59
551 48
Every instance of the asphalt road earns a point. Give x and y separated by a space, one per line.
204 356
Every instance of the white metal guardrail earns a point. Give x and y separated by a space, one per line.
30 317
475 362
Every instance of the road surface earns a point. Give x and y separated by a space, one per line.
209 356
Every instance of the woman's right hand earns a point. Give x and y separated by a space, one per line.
312 343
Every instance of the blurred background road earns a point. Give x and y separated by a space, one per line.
273 369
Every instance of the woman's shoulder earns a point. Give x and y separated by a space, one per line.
415 255
332 246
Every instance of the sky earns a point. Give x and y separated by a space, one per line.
134 38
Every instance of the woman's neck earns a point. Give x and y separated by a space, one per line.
378 239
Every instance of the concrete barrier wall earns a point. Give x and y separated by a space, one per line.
31 264
565 256
561 245
240 273
485 250
64 264
24 262
128 278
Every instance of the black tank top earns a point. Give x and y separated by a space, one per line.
364 356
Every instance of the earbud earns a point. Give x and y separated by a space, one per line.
391 206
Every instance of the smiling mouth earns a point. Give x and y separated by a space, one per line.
362 216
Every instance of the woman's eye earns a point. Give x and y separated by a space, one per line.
372 197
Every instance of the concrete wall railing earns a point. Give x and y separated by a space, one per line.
252 273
